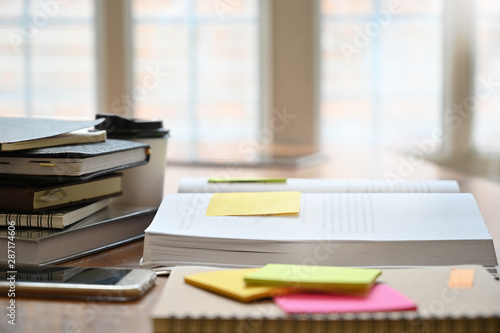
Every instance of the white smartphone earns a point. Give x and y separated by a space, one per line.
100 284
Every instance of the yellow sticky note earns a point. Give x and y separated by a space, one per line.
461 278
324 278
247 180
255 203
230 283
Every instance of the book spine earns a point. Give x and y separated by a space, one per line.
16 199
42 220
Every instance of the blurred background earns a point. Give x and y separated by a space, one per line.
197 65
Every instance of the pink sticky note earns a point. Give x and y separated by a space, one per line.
381 298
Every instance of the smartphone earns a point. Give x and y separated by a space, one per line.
101 284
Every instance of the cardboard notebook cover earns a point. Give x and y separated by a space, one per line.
185 308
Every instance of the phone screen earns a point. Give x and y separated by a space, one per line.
73 275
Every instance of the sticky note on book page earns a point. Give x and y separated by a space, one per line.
255 203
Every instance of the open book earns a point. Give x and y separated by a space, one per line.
316 185
335 229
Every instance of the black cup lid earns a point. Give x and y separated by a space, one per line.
117 126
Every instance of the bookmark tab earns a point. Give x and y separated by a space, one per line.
255 203
230 283
381 298
246 180
461 279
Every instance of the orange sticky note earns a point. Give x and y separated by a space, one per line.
461 278
255 203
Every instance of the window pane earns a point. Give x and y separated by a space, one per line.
49 59
348 8
381 71
487 117
63 72
11 63
11 9
207 52
162 49
11 67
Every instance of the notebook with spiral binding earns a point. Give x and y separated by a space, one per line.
25 196
110 227
185 308
58 219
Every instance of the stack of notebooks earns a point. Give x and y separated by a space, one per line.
57 179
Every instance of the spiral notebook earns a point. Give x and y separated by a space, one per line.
110 227
185 308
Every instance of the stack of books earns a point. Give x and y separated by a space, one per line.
57 179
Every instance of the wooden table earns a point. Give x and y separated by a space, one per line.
42 315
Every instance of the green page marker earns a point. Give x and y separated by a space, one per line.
246 180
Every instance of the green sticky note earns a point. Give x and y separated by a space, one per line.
324 278
246 180
253 203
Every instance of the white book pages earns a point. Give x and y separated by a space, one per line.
333 216
352 229
317 185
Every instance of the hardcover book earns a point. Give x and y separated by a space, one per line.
29 196
84 161
112 226
25 133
